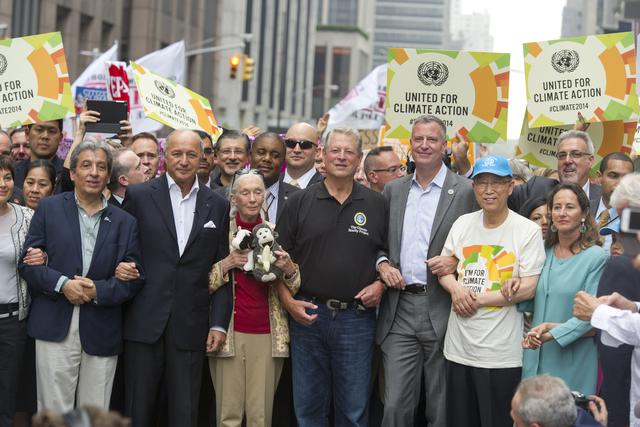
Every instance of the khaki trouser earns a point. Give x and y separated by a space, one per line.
246 382
66 374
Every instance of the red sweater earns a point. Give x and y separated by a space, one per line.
251 305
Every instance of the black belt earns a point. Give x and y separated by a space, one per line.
8 310
336 304
415 289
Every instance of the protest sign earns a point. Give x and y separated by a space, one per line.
34 80
467 90
538 146
172 104
118 82
591 75
84 93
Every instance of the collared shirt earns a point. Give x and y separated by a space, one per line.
271 198
416 230
622 327
118 198
608 239
335 244
89 227
184 209
586 187
303 181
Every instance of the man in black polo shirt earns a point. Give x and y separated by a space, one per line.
333 230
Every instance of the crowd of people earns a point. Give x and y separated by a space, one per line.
474 295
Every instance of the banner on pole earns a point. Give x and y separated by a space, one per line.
591 75
469 91
34 80
172 104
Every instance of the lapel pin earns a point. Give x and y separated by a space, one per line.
106 218
450 191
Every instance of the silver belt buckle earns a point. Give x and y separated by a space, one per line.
11 314
335 304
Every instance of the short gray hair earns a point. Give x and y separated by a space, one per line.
349 132
520 170
627 193
426 119
91 145
118 169
546 400
580 135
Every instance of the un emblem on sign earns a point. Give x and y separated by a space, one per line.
165 88
433 73
3 64
565 60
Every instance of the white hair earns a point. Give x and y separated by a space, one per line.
546 400
627 193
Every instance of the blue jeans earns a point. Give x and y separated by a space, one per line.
332 359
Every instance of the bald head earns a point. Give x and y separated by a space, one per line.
301 160
302 130
182 156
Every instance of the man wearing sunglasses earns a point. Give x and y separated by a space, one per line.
382 165
301 141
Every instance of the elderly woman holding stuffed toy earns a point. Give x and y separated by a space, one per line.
245 372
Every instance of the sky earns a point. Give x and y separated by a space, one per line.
513 23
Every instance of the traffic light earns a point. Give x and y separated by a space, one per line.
247 68
233 71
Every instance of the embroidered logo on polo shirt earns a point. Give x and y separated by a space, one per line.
359 219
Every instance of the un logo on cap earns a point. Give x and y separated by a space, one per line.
360 219
565 60
433 73
3 64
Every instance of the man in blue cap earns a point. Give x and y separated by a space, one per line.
484 333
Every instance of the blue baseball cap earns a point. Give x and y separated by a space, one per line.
495 165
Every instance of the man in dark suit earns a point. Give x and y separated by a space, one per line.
413 314
575 157
302 146
76 315
127 170
184 230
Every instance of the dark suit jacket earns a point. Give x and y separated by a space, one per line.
55 228
539 186
284 192
113 201
456 199
178 286
316 178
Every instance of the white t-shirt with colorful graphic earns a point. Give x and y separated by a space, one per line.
492 337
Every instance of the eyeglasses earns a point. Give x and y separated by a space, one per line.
562 155
392 169
484 184
230 152
305 144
